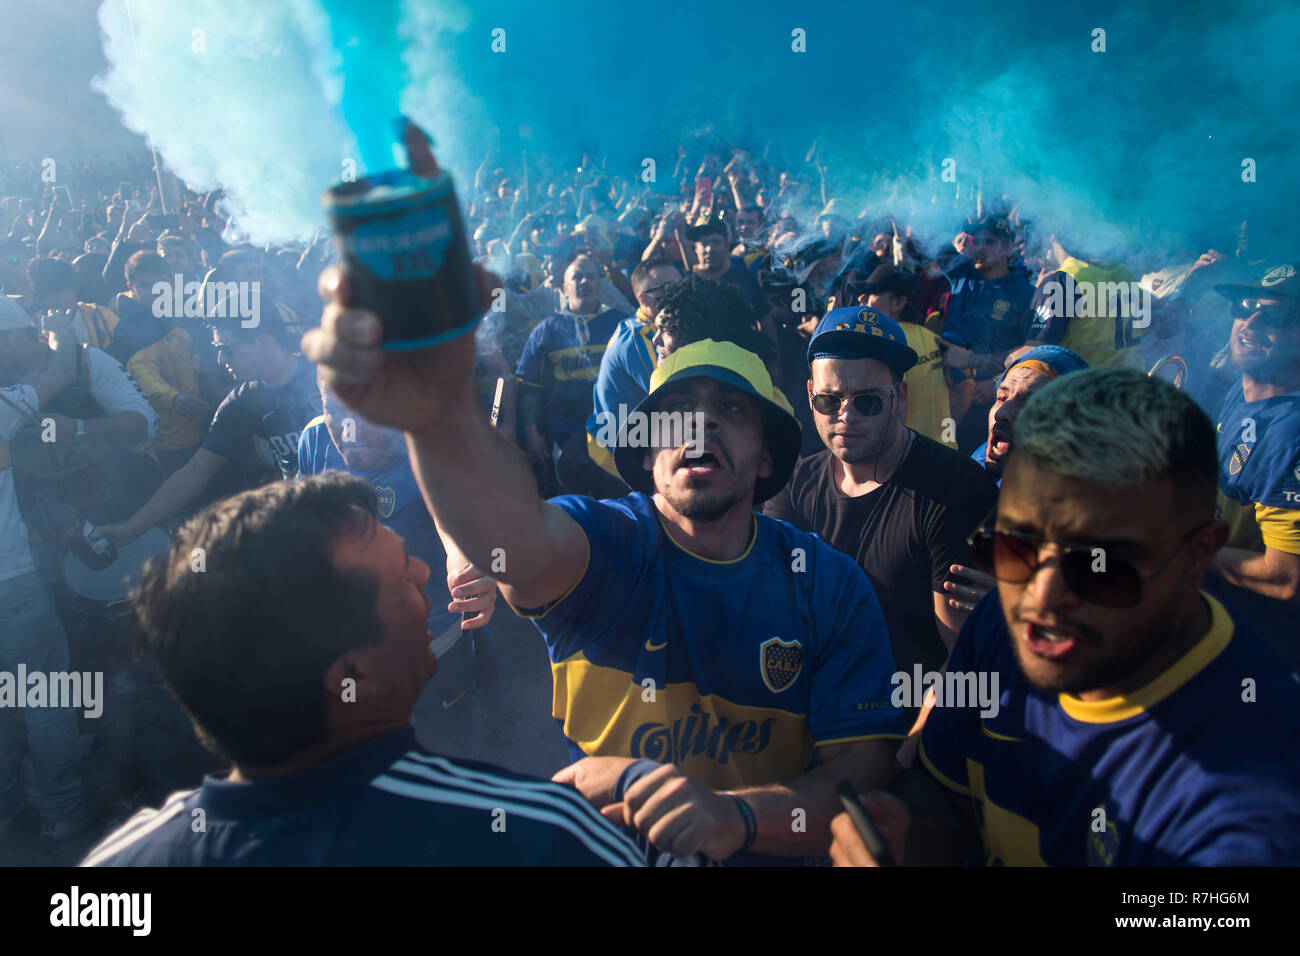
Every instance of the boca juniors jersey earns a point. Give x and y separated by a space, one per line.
1200 767
1259 469
733 670
562 357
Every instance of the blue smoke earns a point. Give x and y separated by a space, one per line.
373 72
1134 151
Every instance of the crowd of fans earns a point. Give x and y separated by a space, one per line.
152 366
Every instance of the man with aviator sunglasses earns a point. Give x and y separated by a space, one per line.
1138 724
1259 440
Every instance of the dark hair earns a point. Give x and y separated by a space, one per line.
695 309
640 277
244 639
51 275
148 263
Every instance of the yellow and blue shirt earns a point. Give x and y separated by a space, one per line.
1199 767
624 379
562 358
1087 325
1259 471
733 670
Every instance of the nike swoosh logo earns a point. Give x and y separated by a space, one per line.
655 647
448 704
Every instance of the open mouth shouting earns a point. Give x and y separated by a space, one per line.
1051 643
712 462
999 445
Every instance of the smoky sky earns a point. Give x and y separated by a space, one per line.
1131 151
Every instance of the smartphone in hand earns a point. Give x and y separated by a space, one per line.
866 829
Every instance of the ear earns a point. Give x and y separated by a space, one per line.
1202 549
348 680
810 392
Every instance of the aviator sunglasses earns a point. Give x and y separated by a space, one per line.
1013 558
1275 314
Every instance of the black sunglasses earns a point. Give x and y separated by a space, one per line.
1012 557
868 404
1280 314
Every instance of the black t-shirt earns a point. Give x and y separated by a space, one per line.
904 534
740 278
269 417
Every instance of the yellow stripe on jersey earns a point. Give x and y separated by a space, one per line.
1243 531
938 775
1279 527
1179 673
1009 839
721 744
586 370
753 536
601 456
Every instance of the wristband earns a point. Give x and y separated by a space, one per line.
751 822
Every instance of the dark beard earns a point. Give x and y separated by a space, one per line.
1279 367
1105 672
699 510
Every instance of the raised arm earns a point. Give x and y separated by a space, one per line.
477 486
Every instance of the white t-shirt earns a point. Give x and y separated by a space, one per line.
114 390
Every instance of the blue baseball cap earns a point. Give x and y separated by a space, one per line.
858 332
1050 360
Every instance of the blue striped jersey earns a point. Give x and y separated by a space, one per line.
385 802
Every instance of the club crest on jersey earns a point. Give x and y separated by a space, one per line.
780 663
387 500
1103 847
1000 308
1238 459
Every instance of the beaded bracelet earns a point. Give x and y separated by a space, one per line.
751 822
